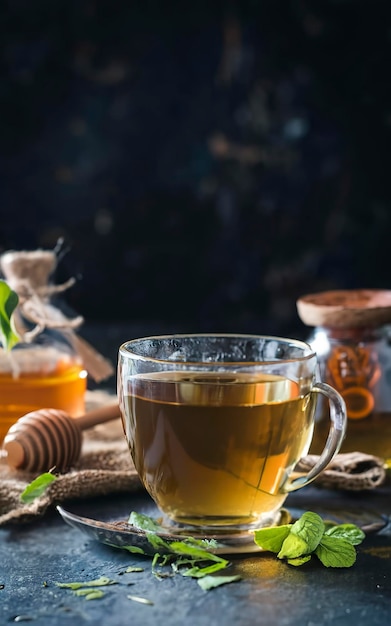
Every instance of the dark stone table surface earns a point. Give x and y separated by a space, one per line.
34 556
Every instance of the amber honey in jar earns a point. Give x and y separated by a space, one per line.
351 338
37 376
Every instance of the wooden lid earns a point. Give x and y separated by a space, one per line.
356 308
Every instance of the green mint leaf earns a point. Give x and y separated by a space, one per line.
272 537
300 560
304 536
131 569
133 549
157 542
37 487
293 547
8 302
144 522
200 572
349 532
190 547
309 527
90 594
103 581
210 582
333 552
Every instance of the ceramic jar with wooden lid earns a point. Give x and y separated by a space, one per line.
351 338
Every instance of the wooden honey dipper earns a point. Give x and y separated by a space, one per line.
50 438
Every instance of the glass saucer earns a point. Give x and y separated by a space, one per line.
106 520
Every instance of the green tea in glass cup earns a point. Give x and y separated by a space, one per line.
217 423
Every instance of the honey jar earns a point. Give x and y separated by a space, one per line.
48 367
351 336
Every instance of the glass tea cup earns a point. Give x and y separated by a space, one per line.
217 423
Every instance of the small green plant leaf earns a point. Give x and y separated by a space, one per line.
103 581
349 532
272 538
192 548
210 582
144 522
333 552
309 527
8 302
293 547
200 572
90 594
131 569
133 549
37 487
300 560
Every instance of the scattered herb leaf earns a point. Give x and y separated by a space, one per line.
8 302
90 594
133 549
144 522
199 572
210 582
103 581
37 487
131 569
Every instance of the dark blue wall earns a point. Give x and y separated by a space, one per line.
205 166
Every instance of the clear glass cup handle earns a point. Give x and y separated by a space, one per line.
338 423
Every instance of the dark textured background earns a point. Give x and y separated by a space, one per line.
204 165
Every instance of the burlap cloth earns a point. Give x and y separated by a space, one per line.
105 467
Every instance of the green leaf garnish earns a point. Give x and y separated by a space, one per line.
210 582
194 548
133 549
310 527
333 545
272 538
131 569
293 547
88 589
103 581
90 594
37 487
300 560
143 522
334 552
349 532
8 302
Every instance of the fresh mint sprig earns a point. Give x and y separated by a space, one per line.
333 545
8 302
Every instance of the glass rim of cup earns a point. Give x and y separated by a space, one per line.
308 352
